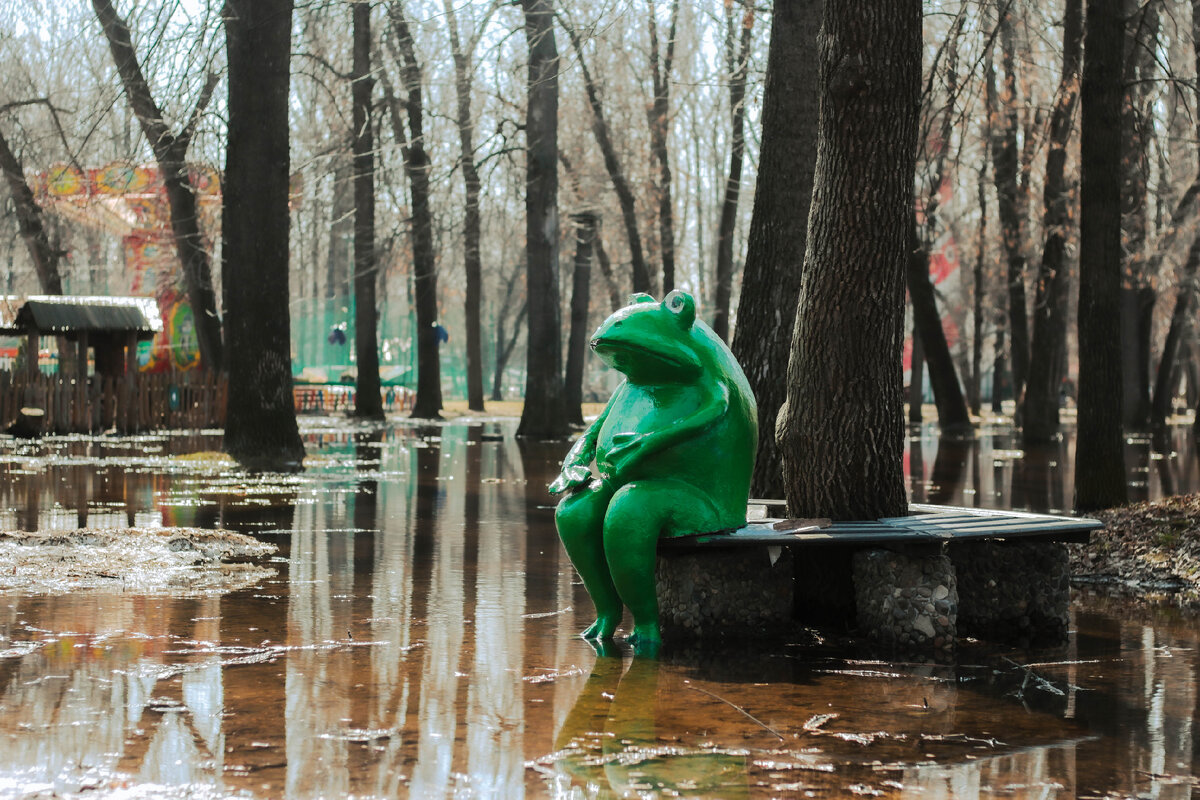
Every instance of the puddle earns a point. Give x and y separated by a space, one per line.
416 637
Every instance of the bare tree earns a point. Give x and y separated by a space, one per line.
659 113
170 150
737 60
30 223
1048 357
641 272
1099 453
544 413
260 426
417 166
779 225
367 400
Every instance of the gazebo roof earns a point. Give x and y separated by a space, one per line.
71 314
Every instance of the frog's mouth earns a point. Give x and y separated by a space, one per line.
627 357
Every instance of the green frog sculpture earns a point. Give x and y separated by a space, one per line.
674 450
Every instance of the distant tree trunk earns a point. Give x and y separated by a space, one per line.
1099 453
737 63
642 281
544 414
779 225
1166 379
1137 294
428 401
916 379
602 259
471 219
260 425
367 400
660 122
585 236
1006 171
1040 412
843 425
943 377
341 229
170 150
45 258
974 390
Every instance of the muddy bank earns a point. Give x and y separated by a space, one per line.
175 561
1150 549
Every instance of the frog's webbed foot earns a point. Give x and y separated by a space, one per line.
602 629
646 640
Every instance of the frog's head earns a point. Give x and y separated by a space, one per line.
651 342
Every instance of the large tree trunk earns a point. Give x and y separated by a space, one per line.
581 284
1137 294
1099 454
737 63
1166 380
428 401
642 281
45 257
1006 166
260 424
544 414
778 227
170 150
1040 411
843 427
472 262
660 123
367 400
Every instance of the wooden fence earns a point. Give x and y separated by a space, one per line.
147 402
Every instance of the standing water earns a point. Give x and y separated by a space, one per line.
418 638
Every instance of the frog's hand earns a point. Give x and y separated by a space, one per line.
626 454
572 477
575 471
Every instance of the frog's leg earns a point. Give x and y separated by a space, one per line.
639 513
580 521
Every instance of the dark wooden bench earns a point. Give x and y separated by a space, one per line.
919 582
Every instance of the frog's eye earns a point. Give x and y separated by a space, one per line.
683 306
640 297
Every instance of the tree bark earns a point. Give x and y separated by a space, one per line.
472 262
974 391
737 63
368 403
544 414
505 344
1137 295
1040 410
1006 170
585 236
260 424
1099 453
170 150
45 257
660 125
779 225
642 281
843 427
428 401
1166 379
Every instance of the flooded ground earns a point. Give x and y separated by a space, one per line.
418 638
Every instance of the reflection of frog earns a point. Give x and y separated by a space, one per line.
674 448
611 739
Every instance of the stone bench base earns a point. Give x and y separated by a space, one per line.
918 598
726 592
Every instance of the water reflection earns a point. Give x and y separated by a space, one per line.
420 640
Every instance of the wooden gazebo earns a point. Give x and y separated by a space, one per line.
111 326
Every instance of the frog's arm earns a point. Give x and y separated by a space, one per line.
628 453
575 471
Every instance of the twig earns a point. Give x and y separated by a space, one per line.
750 716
